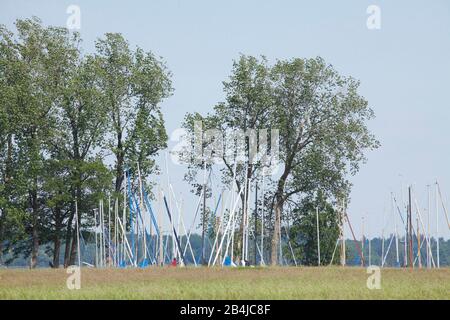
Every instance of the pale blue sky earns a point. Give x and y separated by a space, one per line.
404 69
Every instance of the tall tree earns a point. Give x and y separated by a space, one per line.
48 55
34 109
303 232
42 72
246 109
133 84
77 147
317 112
321 120
8 125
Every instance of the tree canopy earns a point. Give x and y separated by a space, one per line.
322 127
61 114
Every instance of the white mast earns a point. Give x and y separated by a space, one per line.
160 240
116 234
437 227
382 236
395 230
180 210
318 236
78 235
141 205
423 228
231 217
124 218
103 236
244 217
96 242
341 227
363 240
428 227
181 223
100 233
262 217
109 229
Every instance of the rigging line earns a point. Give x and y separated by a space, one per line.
399 212
174 231
442 202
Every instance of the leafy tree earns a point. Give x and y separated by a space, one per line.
76 144
321 116
30 116
321 120
8 80
246 108
53 121
132 83
303 232
59 112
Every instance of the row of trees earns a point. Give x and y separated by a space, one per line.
71 123
64 116
323 137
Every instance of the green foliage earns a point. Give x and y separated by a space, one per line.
303 232
322 123
60 112
132 84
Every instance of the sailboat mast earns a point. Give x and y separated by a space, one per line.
437 227
410 228
428 228
318 236
78 234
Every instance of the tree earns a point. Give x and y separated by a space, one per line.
77 147
60 110
51 122
303 232
32 57
244 112
8 125
321 120
319 114
133 83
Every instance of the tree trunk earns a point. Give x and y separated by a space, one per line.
279 198
35 248
276 232
56 249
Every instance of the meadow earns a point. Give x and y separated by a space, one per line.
226 283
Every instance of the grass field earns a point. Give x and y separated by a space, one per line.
229 283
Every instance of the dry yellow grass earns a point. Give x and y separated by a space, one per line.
226 283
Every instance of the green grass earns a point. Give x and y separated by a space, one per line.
227 283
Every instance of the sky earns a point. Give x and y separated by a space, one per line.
403 66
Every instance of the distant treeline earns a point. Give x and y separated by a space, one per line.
352 254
